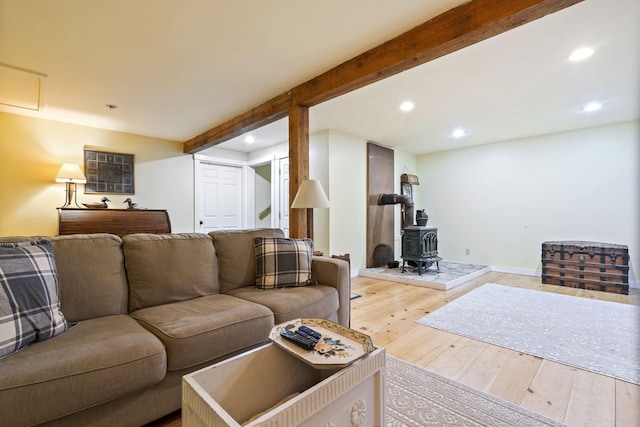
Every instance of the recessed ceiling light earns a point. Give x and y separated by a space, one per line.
592 106
580 54
406 106
458 133
249 139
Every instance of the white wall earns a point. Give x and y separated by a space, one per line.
164 180
339 162
269 153
502 200
32 151
222 153
348 197
319 169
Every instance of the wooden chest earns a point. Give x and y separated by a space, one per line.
586 265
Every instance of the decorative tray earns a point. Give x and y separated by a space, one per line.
338 347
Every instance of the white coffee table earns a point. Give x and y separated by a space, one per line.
231 392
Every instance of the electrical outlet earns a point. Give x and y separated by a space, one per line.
467 251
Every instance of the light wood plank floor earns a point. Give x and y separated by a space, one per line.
388 311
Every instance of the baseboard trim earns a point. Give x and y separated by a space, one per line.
529 272
511 270
516 270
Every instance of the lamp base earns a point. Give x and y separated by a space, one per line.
71 195
310 223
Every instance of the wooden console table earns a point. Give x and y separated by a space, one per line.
114 221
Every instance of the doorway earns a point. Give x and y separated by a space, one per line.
235 194
219 196
272 194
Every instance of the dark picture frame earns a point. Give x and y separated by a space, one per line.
109 172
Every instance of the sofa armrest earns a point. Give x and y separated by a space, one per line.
336 273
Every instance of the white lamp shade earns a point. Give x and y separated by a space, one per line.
70 172
310 195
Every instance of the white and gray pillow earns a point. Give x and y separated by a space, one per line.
29 300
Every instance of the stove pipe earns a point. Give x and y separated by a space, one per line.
405 200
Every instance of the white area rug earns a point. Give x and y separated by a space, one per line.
598 336
417 397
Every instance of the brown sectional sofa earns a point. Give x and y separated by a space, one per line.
147 310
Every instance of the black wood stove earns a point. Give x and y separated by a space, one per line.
420 246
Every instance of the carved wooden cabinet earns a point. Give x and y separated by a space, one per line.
114 221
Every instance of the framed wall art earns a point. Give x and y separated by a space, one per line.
108 172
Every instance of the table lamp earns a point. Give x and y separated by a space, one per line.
71 174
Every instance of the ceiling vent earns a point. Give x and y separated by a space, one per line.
21 88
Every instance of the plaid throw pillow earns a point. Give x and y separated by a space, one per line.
29 305
283 262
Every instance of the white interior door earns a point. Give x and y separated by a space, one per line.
219 196
283 195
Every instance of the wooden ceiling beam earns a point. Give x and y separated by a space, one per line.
268 112
453 30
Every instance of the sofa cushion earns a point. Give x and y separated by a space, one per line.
237 255
29 305
165 268
283 262
95 361
206 328
91 273
291 303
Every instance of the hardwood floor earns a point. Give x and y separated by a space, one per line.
388 311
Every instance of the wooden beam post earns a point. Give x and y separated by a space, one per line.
298 166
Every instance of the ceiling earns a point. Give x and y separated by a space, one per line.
176 69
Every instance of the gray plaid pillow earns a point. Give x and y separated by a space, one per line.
282 262
29 304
